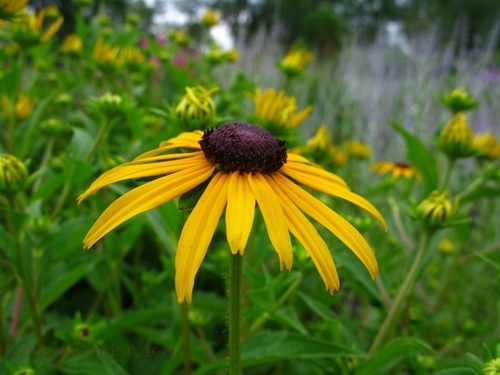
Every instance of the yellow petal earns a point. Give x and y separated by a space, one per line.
186 139
197 234
240 212
273 217
308 236
316 171
146 197
127 171
52 29
310 178
329 219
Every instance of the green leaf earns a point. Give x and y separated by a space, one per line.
98 362
391 354
456 371
8 243
81 143
318 307
420 157
188 200
62 282
288 316
481 192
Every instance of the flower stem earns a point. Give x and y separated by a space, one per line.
186 344
450 162
403 294
235 299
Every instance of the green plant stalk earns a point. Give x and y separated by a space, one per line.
443 184
186 343
404 292
235 310
3 342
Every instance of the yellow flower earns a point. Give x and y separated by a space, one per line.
486 146
321 140
245 166
13 174
72 44
105 55
446 246
210 18
30 29
295 61
357 149
397 169
456 138
277 109
215 56
11 8
180 38
22 107
131 57
196 108
232 55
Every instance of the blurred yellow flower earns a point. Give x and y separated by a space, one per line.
446 246
357 150
30 29
437 209
215 56
455 139
131 57
278 109
10 8
210 18
180 38
321 140
295 61
52 12
72 44
459 100
397 169
232 55
246 167
21 108
106 55
485 145
196 109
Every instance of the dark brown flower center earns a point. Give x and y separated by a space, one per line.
238 146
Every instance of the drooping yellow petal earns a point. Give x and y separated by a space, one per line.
310 178
308 236
312 170
240 212
146 197
197 234
130 170
273 217
52 29
329 219
186 139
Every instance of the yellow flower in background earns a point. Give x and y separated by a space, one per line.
357 150
106 55
455 139
215 56
210 18
31 29
321 140
131 57
245 166
278 109
11 8
22 107
180 38
295 61
52 12
485 145
13 174
397 169
446 246
196 109
232 55
72 44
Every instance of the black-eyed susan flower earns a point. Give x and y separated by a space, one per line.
485 145
245 166
21 107
295 61
397 169
210 18
106 56
131 57
72 45
277 110
11 8
456 137
459 100
31 30
180 38
358 150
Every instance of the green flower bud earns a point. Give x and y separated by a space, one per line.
25 370
456 138
196 108
437 209
458 100
491 367
13 174
52 127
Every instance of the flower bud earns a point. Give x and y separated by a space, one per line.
458 100
295 62
491 367
210 18
196 108
13 174
436 209
455 139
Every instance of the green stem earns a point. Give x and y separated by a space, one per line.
186 343
235 309
404 292
450 162
49 146
3 342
